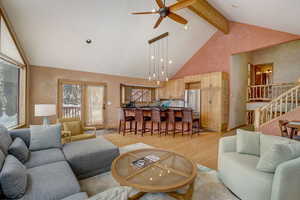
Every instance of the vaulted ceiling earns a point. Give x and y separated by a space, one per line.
53 32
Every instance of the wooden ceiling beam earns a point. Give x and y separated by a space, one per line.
211 15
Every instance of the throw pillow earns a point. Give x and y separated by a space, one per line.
19 149
278 154
248 142
74 127
267 142
13 178
5 139
45 137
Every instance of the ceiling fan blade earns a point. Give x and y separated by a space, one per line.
160 3
144 13
177 18
181 4
158 22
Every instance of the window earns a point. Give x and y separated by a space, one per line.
137 94
9 94
12 80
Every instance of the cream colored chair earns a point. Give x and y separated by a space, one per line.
73 129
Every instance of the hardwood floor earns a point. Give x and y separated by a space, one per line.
202 148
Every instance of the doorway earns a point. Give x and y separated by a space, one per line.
83 100
261 74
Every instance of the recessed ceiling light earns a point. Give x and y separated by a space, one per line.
88 41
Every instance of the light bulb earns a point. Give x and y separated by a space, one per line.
170 61
149 78
154 75
153 10
162 72
161 60
167 79
186 27
152 57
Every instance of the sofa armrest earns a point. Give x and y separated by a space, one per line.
226 144
23 133
90 129
65 134
286 181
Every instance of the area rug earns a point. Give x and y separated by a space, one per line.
104 187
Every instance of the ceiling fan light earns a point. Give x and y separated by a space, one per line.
186 27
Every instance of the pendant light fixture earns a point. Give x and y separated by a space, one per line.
158 59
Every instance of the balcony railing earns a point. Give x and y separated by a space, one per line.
268 92
71 111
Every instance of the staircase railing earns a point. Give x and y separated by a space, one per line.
286 102
268 92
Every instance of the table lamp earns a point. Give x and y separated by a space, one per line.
45 110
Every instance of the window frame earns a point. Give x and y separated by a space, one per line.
23 98
123 101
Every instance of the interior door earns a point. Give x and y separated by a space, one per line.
95 104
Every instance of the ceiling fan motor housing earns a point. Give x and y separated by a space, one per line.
163 12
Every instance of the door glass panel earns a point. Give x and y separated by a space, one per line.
71 105
95 105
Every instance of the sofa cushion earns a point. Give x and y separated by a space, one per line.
19 149
238 172
74 127
83 137
5 139
267 141
53 181
78 196
43 157
90 157
13 178
23 133
2 159
278 154
45 137
248 142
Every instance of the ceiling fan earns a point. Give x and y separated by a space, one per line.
168 11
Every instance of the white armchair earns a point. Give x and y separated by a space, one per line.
238 172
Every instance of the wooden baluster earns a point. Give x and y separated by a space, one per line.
280 106
286 103
296 97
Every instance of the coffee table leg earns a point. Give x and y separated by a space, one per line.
137 196
186 196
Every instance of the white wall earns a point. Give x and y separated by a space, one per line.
286 59
238 89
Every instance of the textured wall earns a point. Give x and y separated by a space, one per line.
286 60
238 85
215 54
43 89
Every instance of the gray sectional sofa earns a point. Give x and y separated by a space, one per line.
52 174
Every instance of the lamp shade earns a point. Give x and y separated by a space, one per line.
44 110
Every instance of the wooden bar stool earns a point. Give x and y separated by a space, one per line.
193 123
156 118
141 120
173 120
124 118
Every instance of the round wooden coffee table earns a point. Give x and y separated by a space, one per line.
173 171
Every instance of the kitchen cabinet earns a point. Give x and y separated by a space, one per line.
214 99
173 89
